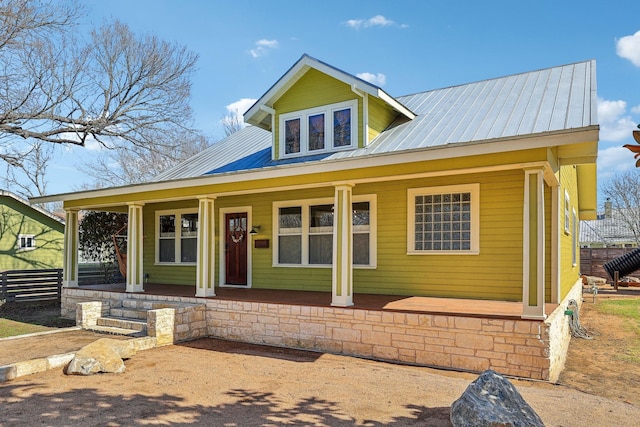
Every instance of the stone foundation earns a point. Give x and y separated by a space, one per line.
515 347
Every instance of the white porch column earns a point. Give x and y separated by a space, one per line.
70 272
342 268
206 261
135 233
533 246
556 260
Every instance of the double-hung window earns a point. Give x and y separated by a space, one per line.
443 220
305 232
177 236
318 130
26 242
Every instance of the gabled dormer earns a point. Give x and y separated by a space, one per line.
315 108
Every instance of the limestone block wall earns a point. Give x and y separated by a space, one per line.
509 346
560 333
188 314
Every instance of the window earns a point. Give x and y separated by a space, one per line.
26 242
443 220
567 213
305 232
318 130
177 237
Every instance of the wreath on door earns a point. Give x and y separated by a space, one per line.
237 234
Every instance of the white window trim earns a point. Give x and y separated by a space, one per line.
328 110
574 239
178 235
305 204
474 189
26 248
567 214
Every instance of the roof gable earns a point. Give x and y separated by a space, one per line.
261 113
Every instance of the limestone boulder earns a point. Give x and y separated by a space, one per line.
491 400
103 355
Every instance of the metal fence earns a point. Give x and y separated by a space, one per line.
43 285
31 285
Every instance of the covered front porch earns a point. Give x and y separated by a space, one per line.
470 335
391 303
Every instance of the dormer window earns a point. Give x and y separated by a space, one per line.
319 130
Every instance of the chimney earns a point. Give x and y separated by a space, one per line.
608 207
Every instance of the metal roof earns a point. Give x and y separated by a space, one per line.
538 102
608 229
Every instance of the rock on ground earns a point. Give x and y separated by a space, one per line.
491 400
103 355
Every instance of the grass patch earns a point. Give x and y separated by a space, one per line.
19 318
628 311
10 328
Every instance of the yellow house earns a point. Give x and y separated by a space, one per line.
467 193
30 238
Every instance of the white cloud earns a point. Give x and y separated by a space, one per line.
628 47
377 79
238 108
263 47
636 109
615 124
612 161
376 21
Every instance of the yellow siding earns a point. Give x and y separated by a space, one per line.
164 274
496 273
569 272
314 89
16 219
380 117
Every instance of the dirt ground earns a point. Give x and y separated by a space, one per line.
214 382
596 366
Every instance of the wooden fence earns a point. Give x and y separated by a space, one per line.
592 260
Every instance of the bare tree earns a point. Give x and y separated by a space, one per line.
231 124
30 173
623 191
115 88
133 164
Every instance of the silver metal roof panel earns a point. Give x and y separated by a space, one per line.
537 102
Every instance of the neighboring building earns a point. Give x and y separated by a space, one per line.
30 238
470 192
609 230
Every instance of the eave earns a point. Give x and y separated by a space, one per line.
236 179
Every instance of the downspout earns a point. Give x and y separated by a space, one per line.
365 113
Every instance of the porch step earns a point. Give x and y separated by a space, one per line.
129 313
119 326
123 323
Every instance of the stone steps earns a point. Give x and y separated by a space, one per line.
112 325
129 313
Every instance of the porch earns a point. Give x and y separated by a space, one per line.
446 333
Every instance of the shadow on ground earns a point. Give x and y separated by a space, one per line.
22 404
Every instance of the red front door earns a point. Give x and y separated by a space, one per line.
236 248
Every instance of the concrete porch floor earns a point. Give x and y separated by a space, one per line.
395 303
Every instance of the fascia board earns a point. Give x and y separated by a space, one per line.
384 159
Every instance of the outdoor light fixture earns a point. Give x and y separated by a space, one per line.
254 229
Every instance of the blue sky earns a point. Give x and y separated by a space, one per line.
402 46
